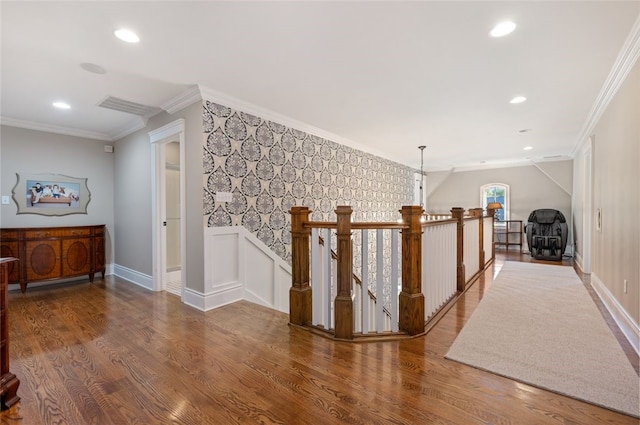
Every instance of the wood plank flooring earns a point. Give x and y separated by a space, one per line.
113 353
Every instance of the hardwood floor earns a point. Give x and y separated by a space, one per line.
113 353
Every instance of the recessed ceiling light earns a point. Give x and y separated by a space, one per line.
518 99
502 29
527 148
524 130
61 105
127 35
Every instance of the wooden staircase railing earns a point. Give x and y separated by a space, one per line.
410 314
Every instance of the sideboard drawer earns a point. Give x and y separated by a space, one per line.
77 231
44 233
8 235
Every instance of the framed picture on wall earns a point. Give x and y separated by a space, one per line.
50 194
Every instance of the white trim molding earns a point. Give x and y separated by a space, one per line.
231 293
56 129
133 276
135 124
171 132
629 328
184 99
628 56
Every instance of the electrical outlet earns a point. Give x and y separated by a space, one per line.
224 196
5 200
625 286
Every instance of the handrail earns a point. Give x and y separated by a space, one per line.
355 225
438 222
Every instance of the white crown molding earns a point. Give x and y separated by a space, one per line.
137 123
250 108
627 58
30 125
184 99
497 165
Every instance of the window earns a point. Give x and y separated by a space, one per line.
496 192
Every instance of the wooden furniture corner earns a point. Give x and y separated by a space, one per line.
8 381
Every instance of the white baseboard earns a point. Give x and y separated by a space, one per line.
238 266
629 328
220 296
579 262
174 275
133 276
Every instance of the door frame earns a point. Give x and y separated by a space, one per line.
172 132
587 209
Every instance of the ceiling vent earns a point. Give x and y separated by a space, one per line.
134 108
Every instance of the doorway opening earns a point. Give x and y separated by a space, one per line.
172 218
168 208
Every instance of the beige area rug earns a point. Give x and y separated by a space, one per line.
537 324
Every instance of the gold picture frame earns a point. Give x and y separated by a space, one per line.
50 194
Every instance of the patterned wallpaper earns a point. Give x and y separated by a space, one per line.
269 168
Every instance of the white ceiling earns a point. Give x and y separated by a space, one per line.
384 77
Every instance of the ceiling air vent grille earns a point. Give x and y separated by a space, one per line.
122 105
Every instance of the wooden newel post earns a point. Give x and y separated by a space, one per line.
300 292
492 213
458 214
343 302
411 300
479 212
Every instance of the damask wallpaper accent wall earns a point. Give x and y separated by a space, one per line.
269 168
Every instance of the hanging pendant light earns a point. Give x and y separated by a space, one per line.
421 174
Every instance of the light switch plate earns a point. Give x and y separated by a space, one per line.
224 196
5 200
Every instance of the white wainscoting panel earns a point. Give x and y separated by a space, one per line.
240 266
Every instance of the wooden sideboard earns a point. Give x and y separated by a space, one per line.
50 253
8 381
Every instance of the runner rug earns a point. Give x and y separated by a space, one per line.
537 324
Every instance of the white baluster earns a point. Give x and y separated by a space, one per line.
317 282
379 281
365 281
394 280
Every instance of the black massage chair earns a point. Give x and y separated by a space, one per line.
547 233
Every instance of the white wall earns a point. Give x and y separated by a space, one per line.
616 193
132 193
545 185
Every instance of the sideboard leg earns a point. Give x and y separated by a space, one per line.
9 386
